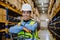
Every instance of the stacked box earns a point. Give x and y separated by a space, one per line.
16 3
2 14
11 1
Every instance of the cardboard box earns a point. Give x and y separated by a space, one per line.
13 2
2 14
1 11
16 3
0 17
4 18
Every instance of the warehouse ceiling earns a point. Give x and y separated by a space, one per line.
42 5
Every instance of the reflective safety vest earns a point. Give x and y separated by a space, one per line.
27 34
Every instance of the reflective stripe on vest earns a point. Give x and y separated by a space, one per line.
27 34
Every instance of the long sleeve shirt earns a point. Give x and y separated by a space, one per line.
26 24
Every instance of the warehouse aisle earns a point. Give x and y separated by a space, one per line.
45 35
46 12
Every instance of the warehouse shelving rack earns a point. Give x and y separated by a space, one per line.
52 12
10 7
54 28
7 7
55 12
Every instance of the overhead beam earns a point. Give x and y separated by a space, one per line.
9 7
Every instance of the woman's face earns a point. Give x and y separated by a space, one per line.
26 15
